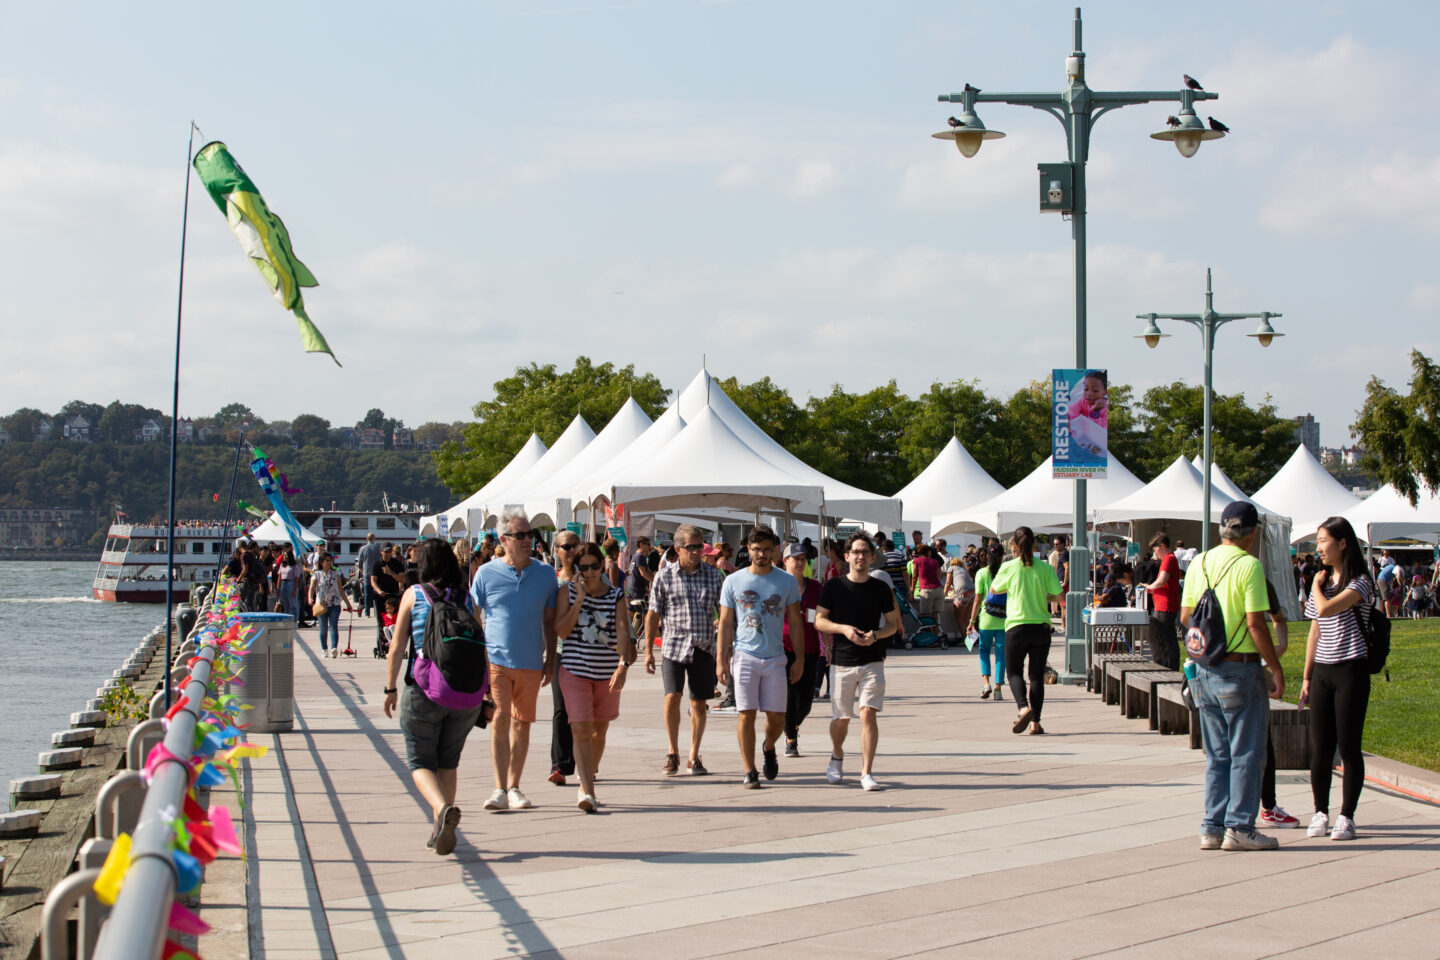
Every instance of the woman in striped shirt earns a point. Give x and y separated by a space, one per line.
593 618
1337 673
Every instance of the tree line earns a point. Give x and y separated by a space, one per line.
119 422
881 439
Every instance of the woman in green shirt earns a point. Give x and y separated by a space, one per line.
990 626
1028 584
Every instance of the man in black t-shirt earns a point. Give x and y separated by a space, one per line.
383 583
859 612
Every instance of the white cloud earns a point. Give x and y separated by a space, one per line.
1424 296
814 178
1325 194
45 190
736 176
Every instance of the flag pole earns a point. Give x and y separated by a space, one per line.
225 531
174 428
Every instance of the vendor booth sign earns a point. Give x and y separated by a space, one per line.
1080 420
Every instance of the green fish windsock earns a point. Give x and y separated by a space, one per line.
262 236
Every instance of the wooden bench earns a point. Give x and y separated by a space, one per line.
1095 683
1115 671
1173 716
1139 696
1290 728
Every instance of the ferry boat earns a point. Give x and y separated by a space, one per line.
132 563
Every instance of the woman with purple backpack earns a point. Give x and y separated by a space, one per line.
434 718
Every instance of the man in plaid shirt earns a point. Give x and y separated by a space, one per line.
683 601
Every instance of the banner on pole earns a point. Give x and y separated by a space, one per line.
576 528
1080 421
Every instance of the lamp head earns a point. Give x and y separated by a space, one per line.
1188 134
1265 333
968 132
1151 335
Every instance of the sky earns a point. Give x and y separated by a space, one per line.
482 185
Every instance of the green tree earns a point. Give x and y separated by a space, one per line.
374 418
770 406
119 421
79 408
1020 440
959 408
540 399
435 433
310 430
1249 442
24 424
855 437
1400 434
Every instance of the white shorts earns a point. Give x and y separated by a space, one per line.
855 687
759 684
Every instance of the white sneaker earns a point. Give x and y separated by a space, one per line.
498 801
518 800
868 782
586 802
835 772
1319 825
1242 839
1344 828
334 653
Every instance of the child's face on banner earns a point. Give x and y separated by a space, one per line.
1094 389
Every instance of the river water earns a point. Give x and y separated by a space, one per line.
57 645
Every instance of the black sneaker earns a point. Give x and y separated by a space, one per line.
751 781
792 748
772 765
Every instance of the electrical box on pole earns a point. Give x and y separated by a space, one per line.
1057 187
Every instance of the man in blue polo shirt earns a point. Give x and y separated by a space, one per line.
516 596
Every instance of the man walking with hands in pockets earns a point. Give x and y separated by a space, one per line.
753 603
859 612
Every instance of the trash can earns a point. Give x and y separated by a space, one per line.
268 670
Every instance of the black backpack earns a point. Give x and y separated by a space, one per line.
1375 628
454 642
1206 641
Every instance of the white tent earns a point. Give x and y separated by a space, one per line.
271 530
1178 493
1220 480
951 482
575 438
840 499
1306 492
597 486
458 515
1039 501
708 465
1386 515
550 503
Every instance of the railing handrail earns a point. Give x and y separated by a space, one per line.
139 920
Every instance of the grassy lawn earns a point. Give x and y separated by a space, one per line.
1403 722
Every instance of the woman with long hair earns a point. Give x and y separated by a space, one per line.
562 744
1027 584
593 618
990 625
1337 673
434 732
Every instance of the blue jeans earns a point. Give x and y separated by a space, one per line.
330 627
290 597
1235 725
992 640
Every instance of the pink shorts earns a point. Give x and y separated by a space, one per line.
588 701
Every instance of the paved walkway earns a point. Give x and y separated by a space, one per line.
1075 844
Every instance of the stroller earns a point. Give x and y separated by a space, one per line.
921 630
382 645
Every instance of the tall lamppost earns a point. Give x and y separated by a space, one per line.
1207 322
1062 190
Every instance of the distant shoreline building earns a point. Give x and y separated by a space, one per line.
1307 431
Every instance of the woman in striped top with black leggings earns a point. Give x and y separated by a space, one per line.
1337 673
593 618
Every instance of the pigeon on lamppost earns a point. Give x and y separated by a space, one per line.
971 89
1217 126
1172 121
955 122
1192 83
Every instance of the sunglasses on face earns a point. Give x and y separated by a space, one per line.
522 535
566 546
587 567
692 547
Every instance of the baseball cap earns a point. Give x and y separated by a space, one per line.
794 550
1241 511
710 550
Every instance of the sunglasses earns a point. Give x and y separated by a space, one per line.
522 535
566 546
587 567
692 547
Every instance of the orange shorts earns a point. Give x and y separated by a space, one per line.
515 691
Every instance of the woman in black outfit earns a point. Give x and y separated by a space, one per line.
1337 673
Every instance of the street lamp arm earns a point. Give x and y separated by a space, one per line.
1019 99
1125 98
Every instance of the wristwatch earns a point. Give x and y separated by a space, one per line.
390 690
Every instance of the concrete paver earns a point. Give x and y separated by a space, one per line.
1075 844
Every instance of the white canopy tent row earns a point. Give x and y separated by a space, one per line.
457 518
1039 502
1386 515
1306 492
1220 480
549 505
952 481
